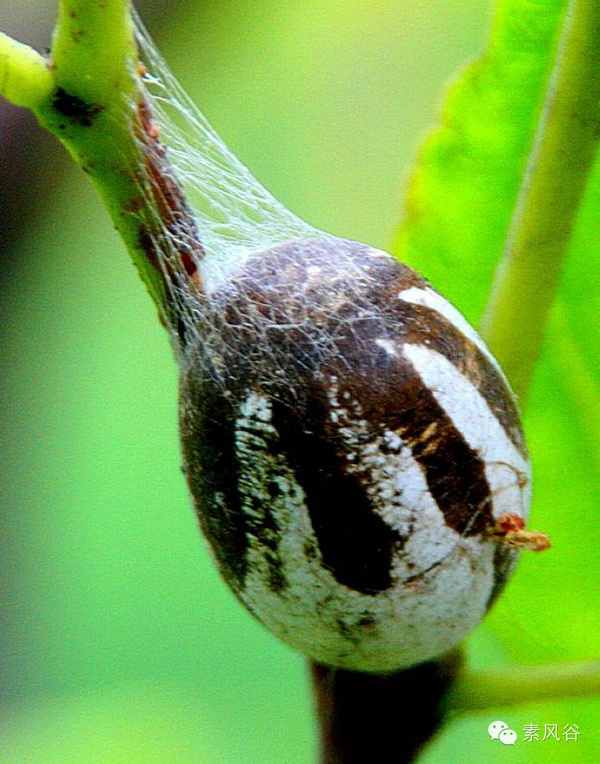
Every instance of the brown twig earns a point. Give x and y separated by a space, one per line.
380 718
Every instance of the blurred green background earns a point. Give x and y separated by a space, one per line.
119 642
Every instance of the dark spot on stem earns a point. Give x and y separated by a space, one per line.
80 112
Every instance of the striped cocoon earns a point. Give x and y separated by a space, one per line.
351 446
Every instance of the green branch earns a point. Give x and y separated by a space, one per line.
25 78
89 97
562 157
93 50
515 685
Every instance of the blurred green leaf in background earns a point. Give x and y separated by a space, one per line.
119 641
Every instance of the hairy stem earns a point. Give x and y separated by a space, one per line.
514 685
561 159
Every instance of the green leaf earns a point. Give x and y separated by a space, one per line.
463 190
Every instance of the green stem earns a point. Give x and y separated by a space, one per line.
90 98
93 50
512 686
93 113
562 157
25 78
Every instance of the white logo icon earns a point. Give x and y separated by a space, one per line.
500 731
508 737
496 728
